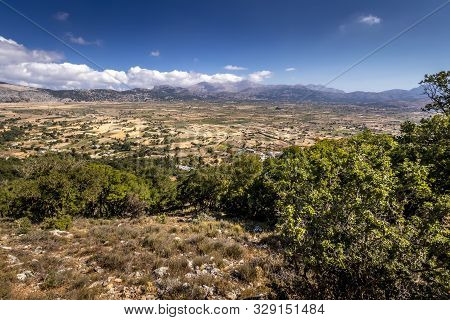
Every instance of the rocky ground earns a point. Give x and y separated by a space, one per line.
147 258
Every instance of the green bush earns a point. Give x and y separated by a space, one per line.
54 186
161 218
241 173
23 225
60 222
204 188
358 221
224 187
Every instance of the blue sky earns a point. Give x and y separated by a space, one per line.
260 40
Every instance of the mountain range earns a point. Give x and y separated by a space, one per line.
237 91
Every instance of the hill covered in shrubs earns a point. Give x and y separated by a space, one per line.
363 218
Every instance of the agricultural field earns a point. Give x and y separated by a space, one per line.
183 129
237 201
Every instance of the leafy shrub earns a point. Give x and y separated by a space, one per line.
234 251
203 188
60 222
161 218
158 174
249 271
242 173
358 224
428 143
23 225
223 187
55 186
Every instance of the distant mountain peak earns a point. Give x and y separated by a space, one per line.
319 87
212 87
236 91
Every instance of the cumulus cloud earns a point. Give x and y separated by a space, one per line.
145 78
290 69
234 68
40 68
11 52
61 16
81 41
62 76
369 20
259 75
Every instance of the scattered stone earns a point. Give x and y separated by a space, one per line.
13 259
209 291
21 277
95 284
99 269
63 270
257 229
161 272
215 271
38 250
231 295
60 233
24 275
6 248
118 280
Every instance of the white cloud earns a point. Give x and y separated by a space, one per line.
155 53
145 78
234 68
290 69
43 69
61 75
61 16
259 76
12 52
369 20
81 41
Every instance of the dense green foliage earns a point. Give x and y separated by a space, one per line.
363 217
354 213
50 187
437 88
225 187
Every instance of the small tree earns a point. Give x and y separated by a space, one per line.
437 88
